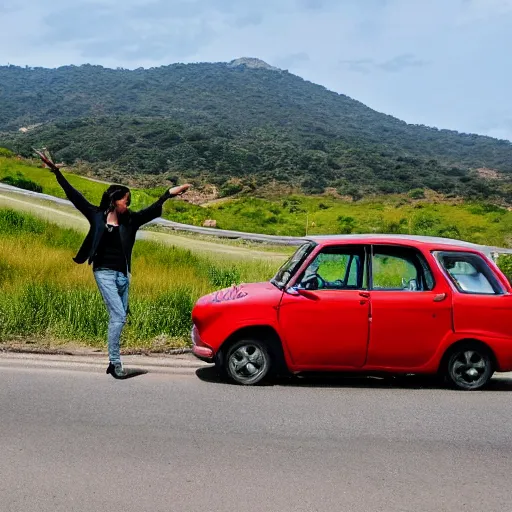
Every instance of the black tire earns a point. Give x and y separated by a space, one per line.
469 366
247 362
219 365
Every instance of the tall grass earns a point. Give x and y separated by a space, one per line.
43 293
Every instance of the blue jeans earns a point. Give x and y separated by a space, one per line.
114 287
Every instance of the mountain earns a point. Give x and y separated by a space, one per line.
245 120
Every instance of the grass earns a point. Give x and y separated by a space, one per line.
44 294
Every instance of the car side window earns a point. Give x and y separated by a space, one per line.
470 273
404 269
335 268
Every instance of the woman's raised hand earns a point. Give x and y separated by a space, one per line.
180 189
46 160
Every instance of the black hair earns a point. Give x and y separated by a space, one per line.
111 195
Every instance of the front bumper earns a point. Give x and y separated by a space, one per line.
199 348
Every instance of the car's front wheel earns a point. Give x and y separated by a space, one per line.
469 366
247 362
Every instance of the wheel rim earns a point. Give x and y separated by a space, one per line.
469 368
247 362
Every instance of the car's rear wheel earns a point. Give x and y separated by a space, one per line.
247 362
469 366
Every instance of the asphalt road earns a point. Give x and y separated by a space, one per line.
80 441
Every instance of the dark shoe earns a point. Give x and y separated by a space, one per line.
116 370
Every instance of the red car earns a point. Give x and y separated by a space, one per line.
368 303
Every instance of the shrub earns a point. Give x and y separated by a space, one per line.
449 232
13 222
424 224
230 189
23 183
417 193
346 225
397 227
6 153
505 264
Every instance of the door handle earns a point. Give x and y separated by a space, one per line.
440 297
366 295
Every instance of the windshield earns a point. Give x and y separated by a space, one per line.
285 273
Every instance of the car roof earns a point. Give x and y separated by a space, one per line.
432 242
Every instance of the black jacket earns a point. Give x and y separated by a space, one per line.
128 223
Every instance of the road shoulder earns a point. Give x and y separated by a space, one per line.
177 363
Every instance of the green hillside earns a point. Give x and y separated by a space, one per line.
221 121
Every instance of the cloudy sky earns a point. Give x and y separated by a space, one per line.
442 63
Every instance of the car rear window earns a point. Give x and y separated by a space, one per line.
469 273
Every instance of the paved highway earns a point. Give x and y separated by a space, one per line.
77 440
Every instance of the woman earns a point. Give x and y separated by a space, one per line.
108 246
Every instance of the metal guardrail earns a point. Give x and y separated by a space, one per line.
37 195
256 237
176 226
224 233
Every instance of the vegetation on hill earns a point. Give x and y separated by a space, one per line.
216 122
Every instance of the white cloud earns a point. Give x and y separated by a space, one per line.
482 10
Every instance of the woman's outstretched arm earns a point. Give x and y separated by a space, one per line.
78 200
155 210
